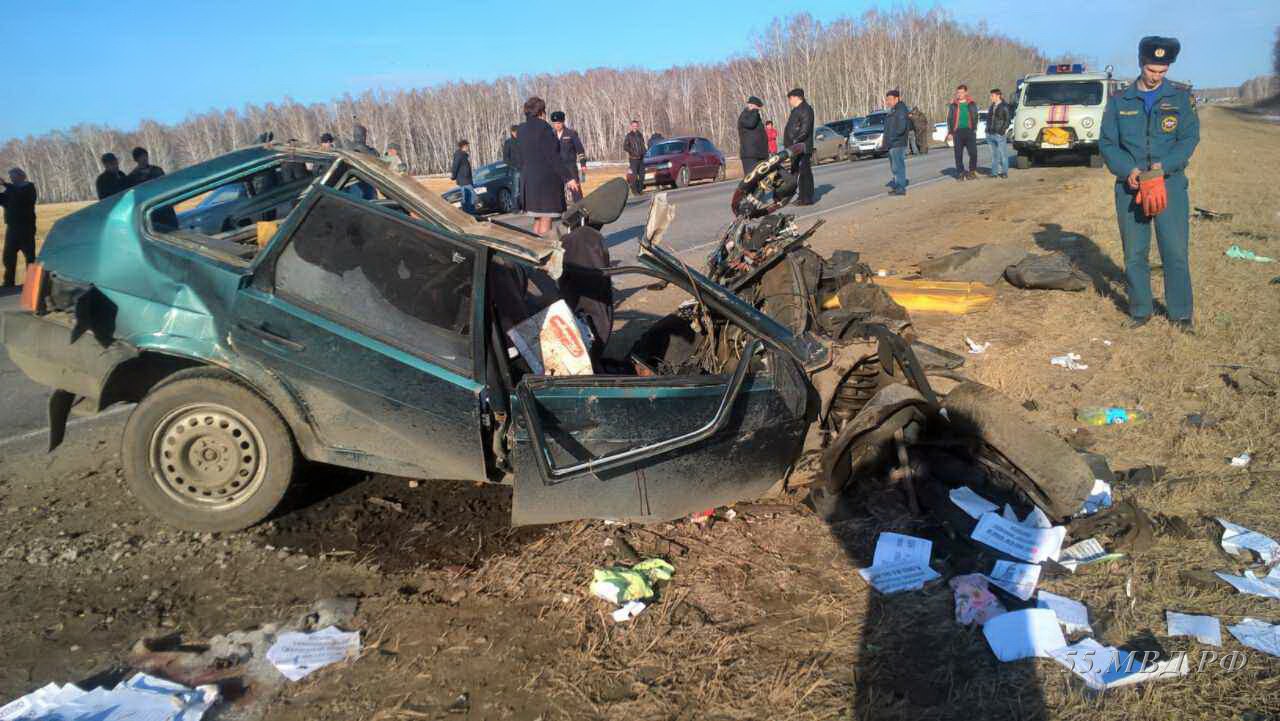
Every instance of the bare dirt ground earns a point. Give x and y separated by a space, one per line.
766 616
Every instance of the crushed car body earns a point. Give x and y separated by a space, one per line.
338 312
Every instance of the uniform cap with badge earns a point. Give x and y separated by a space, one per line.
1156 50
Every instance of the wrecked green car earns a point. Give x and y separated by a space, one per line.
286 301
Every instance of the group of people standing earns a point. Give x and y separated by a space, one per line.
758 139
962 130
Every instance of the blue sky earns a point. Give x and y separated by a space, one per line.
71 61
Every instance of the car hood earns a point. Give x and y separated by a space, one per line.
655 159
806 349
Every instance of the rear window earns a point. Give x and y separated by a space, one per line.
667 147
1078 92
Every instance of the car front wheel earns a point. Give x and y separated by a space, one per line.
682 178
205 453
506 202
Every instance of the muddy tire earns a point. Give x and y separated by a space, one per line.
506 202
205 453
682 178
1060 476
1022 161
1095 160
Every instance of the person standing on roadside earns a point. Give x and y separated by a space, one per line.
897 128
912 147
1149 132
653 139
511 156
112 179
799 131
771 133
545 176
572 155
460 174
923 133
19 201
962 123
143 170
998 119
753 141
634 146
393 159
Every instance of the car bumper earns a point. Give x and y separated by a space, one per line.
41 347
1038 147
658 176
865 149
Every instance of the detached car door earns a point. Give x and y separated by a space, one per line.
367 317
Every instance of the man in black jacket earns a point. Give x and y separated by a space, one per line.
511 156
753 143
19 201
896 128
572 154
997 124
112 179
143 170
799 131
460 174
634 146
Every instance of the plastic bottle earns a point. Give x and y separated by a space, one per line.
1111 416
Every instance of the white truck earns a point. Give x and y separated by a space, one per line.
1060 111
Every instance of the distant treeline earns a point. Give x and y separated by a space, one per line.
845 67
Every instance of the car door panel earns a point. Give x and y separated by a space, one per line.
587 418
369 402
344 311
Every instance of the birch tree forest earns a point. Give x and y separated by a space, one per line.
845 67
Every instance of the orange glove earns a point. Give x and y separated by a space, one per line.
1152 195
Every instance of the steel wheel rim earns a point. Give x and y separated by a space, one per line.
684 176
207 456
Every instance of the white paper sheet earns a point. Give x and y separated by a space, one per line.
1023 634
1258 635
1070 361
976 347
1099 498
296 654
1037 519
1018 540
551 342
141 698
902 577
1083 553
1236 537
1267 587
627 611
893 549
1205 629
1073 615
1020 579
971 503
1102 667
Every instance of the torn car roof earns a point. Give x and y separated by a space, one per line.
524 246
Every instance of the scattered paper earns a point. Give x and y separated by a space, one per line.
1020 579
1099 498
900 563
1024 634
970 502
1268 587
297 654
1085 552
1037 519
1235 538
1205 629
550 341
976 347
895 548
1242 460
1104 341
1019 540
628 611
893 579
1253 633
1070 361
974 603
1102 667
1073 615
141 698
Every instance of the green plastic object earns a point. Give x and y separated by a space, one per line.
1236 251
1111 416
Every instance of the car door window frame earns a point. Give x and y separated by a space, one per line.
264 279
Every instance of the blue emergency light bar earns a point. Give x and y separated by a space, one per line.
1065 68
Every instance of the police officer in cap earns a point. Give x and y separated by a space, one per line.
572 154
1149 132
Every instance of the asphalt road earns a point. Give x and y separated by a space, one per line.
702 214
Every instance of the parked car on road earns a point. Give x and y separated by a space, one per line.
495 190
865 142
844 127
679 161
829 144
940 131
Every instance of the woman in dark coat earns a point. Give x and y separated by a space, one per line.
543 175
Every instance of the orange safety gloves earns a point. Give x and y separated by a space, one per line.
1152 195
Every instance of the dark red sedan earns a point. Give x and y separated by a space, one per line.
680 161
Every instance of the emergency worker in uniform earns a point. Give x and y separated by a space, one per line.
1149 132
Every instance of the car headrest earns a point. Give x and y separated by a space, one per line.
603 205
